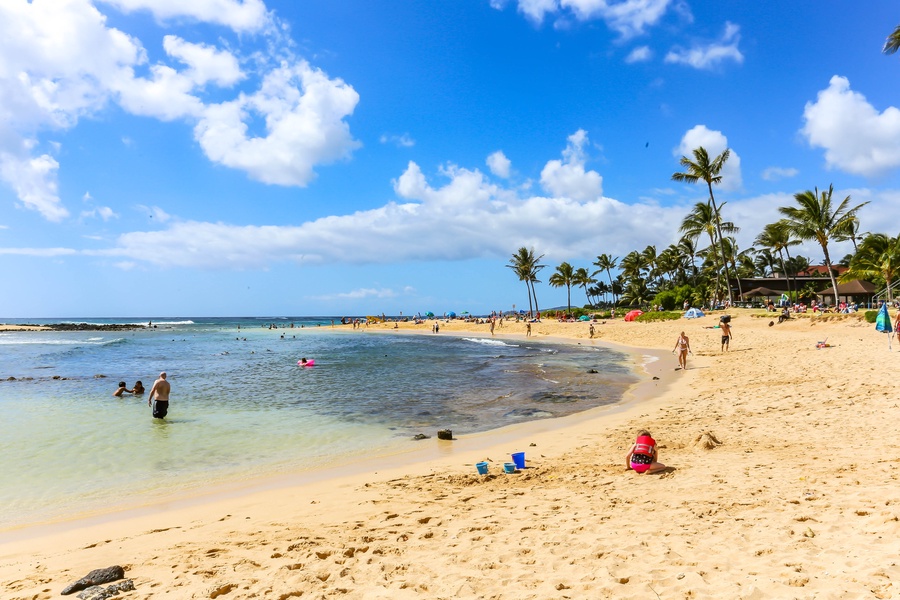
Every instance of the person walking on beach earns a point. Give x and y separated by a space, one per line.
725 326
683 346
159 397
527 329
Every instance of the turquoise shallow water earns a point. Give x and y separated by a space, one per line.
241 407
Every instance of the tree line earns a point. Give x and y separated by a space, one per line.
704 262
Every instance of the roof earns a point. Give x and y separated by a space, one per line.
855 287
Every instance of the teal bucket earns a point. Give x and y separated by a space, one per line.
519 459
482 468
509 467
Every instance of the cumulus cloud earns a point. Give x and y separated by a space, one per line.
855 136
462 216
499 164
715 143
711 55
627 17
60 61
240 15
101 212
567 177
303 111
639 54
779 173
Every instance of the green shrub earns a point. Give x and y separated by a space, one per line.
650 317
871 315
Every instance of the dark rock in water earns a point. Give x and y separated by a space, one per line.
445 434
11 378
593 371
98 592
95 577
528 413
421 436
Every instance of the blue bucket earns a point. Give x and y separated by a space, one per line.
482 468
519 459
509 467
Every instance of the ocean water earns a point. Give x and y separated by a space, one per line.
241 408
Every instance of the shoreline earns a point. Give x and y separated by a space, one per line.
772 491
650 381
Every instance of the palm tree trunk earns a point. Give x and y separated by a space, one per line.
784 272
721 243
793 275
528 292
830 274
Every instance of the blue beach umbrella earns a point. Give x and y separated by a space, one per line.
883 323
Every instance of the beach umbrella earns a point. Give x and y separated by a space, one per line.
632 315
883 323
451 314
429 314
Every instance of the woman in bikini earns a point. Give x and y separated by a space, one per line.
683 346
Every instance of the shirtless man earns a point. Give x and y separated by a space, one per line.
726 334
160 391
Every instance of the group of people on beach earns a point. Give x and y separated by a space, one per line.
158 399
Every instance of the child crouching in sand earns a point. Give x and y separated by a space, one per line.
643 457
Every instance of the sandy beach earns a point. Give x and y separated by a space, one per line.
781 485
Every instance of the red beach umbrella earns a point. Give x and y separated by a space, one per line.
632 315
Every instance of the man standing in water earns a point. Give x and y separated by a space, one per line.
160 391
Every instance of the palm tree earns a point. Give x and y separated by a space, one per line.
815 219
765 262
526 267
702 219
564 277
878 257
777 237
850 232
584 279
892 44
606 262
701 169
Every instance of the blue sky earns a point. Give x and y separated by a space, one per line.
235 157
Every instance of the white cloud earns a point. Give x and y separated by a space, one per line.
715 143
155 213
627 17
567 177
779 173
34 181
710 56
39 252
303 111
856 137
639 54
401 141
467 216
240 15
102 212
205 63
499 164
60 61
537 9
